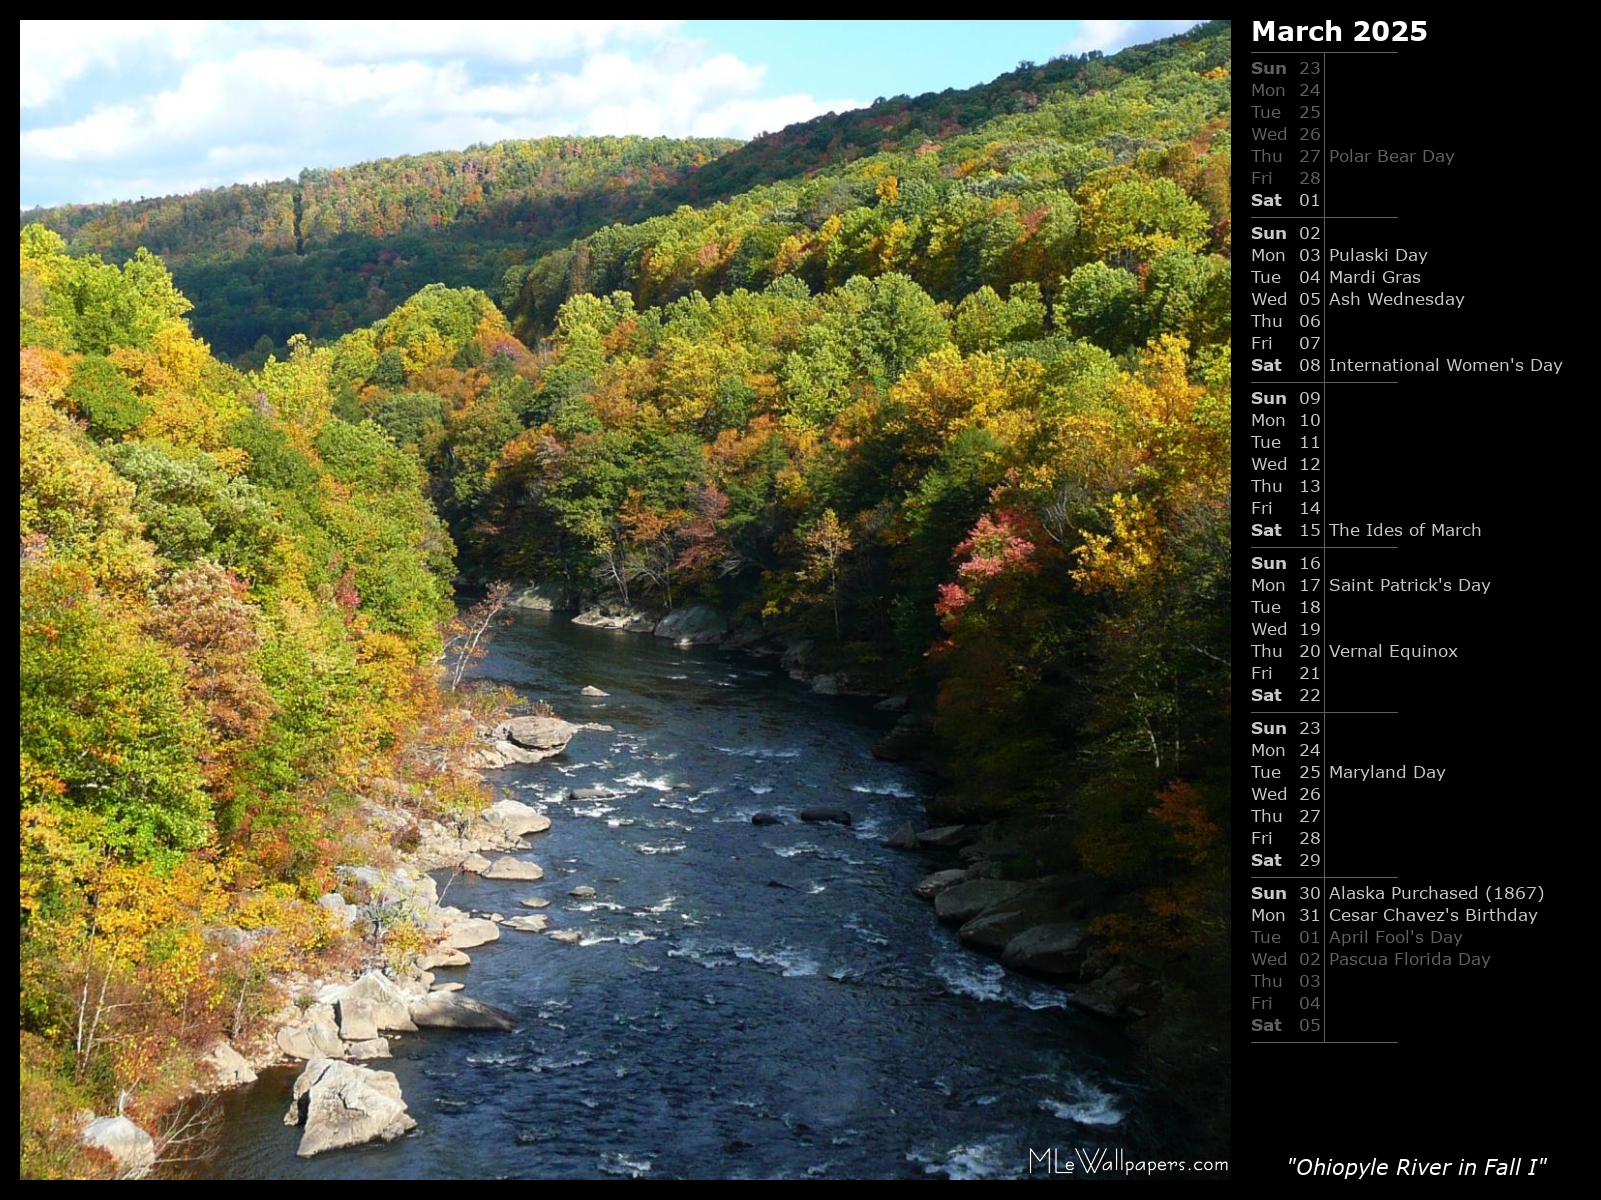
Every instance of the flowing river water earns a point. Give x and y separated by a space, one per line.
746 1001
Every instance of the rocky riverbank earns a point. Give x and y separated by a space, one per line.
1007 899
337 1022
1012 890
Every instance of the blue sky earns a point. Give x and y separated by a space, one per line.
123 109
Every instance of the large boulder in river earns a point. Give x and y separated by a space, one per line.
904 838
612 615
693 625
557 595
544 736
591 691
1057 948
939 881
133 1149
992 930
507 867
340 1104
471 931
385 1002
514 818
947 837
826 816
966 900
356 1023
310 1039
226 1067
452 1010
765 818
529 923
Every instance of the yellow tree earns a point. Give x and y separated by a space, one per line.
826 543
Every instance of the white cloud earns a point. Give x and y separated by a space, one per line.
57 53
1114 35
501 41
133 104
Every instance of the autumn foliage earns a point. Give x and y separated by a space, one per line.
229 599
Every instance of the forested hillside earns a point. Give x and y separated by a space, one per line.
336 249
944 398
230 602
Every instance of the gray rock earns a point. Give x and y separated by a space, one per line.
556 595
499 752
452 986
1057 948
535 902
992 930
826 685
1113 995
570 937
475 864
507 867
545 736
532 923
376 1047
829 816
339 1104
891 704
133 1149
356 1023
592 690
904 838
948 837
514 818
226 1067
386 1003
444 958
966 900
583 891
765 818
590 793
453 1010
470 932
335 903
939 881
619 617
693 625
309 1040
413 892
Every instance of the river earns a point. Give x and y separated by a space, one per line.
746 1002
